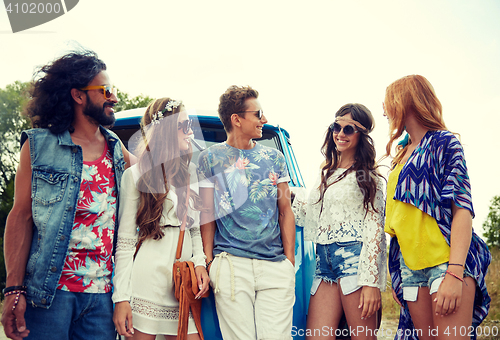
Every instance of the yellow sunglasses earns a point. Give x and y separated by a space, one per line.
107 91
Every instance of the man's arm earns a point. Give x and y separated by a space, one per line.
129 158
17 242
207 222
286 220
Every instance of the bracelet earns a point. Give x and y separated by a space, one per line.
12 288
15 292
209 263
454 275
18 295
455 264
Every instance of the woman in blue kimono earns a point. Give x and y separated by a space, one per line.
437 263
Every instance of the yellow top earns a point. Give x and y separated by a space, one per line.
422 243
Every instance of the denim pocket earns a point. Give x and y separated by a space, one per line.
348 243
48 186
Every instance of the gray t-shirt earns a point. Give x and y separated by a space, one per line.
245 198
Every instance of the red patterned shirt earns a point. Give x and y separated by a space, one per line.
88 264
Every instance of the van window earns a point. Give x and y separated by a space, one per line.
207 136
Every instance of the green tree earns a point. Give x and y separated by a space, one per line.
12 100
492 224
126 103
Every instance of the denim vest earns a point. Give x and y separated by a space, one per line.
56 165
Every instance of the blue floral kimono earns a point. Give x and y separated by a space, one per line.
434 176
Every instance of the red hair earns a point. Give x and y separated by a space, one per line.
413 93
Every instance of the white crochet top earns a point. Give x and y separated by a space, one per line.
344 219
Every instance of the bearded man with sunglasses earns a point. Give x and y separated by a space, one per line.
59 234
248 227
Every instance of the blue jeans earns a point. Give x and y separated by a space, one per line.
75 316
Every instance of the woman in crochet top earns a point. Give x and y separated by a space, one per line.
344 216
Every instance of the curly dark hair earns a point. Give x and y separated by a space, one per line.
233 101
51 103
364 163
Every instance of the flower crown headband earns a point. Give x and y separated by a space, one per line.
172 104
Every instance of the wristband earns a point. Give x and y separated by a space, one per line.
209 263
13 288
18 295
455 264
456 276
15 292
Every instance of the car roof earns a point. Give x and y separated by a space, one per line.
132 117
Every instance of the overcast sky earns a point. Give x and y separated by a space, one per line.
306 58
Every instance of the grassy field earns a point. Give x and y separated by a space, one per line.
493 281
391 308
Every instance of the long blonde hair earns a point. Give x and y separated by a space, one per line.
161 164
413 93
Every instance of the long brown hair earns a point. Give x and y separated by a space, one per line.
161 164
364 162
413 93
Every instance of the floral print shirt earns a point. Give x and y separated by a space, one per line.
245 198
88 265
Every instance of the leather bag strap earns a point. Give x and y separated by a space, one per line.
182 228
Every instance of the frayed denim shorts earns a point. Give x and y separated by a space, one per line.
428 277
335 261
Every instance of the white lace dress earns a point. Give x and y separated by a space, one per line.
343 220
146 282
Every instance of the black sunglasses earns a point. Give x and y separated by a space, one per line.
259 113
348 129
185 126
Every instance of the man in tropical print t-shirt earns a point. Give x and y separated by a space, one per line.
248 227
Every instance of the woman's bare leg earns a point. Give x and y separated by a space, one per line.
194 336
138 335
325 311
457 325
361 329
421 314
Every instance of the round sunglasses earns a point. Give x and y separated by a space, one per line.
348 129
185 126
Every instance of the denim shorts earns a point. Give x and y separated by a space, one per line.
428 277
335 261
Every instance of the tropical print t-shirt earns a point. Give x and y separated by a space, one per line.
88 266
245 198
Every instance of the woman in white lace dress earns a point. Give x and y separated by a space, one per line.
143 284
344 216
